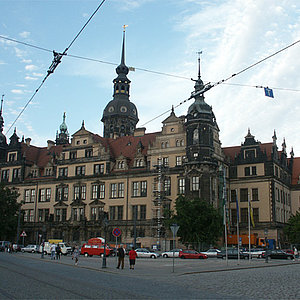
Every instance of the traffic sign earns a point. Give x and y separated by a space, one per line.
23 234
116 232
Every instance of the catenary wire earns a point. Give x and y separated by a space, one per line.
56 61
137 68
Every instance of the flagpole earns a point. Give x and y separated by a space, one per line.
249 227
237 226
224 208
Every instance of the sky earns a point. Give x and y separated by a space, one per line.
162 36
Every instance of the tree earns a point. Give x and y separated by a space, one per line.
199 221
292 229
9 209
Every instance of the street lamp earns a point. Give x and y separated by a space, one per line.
174 228
105 224
43 240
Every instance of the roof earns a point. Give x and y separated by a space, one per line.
296 170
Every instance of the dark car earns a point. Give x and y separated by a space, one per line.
191 254
232 254
278 254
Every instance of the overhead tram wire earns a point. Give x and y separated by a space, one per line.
209 86
136 68
55 62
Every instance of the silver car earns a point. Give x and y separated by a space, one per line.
30 248
171 253
142 252
211 252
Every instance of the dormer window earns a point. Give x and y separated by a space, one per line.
34 173
249 154
77 142
12 157
73 154
121 165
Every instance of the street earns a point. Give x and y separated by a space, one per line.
25 276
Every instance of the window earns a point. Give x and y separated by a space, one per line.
62 193
12 157
88 152
244 215
255 215
181 186
93 213
120 212
17 173
45 195
195 136
165 161
134 212
139 163
5 175
244 195
250 171
195 183
99 169
249 154
98 191
79 192
143 212
167 186
177 143
233 196
121 165
255 194
40 215
63 172
80 171
31 216
34 173
57 215
73 154
233 216
113 190
178 160
75 214
139 189
63 214
121 190
112 212
29 196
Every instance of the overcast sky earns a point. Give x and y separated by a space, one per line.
162 36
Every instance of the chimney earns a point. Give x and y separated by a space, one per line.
50 144
139 131
28 140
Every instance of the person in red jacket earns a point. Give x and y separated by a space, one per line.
132 257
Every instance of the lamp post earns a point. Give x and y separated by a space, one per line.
43 240
105 224
174 228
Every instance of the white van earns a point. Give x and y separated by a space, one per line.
64 249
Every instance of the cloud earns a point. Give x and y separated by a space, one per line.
24 34
30 78
17 91
26 61
31 67
37 74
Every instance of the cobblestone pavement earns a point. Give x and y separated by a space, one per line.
211 278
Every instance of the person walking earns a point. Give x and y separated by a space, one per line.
121 256
295 253
52 250
76 255
132 257
58 252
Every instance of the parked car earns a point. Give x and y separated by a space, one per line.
143 252
18 247
90 250
211 252
256 252
278 254
171 253
233 254
31 248
191 254
289 251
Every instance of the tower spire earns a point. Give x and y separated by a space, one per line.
123 46
199 70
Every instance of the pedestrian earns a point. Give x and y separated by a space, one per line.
52 250
76 255
132 257
121 256
295 253
58 252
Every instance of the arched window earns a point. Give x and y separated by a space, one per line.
195 136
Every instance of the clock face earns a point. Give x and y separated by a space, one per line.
123 109
111 109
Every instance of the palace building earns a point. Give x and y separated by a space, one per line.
70 186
